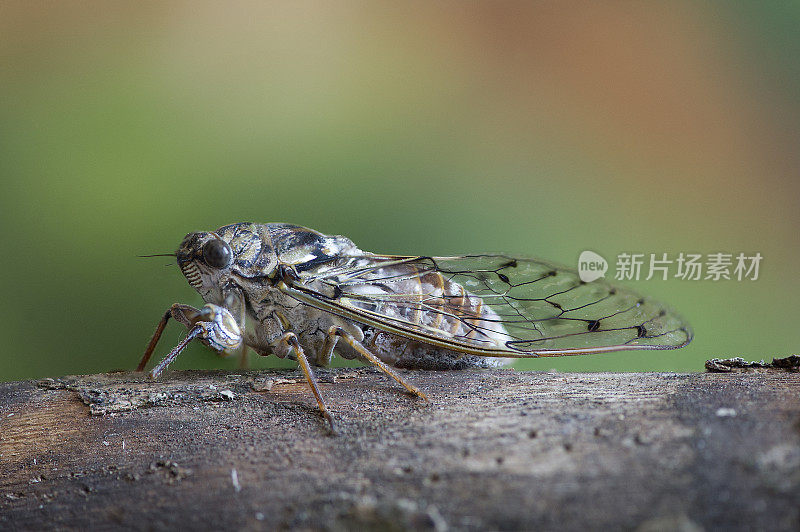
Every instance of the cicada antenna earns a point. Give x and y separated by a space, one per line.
159 255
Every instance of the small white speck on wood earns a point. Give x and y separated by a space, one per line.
235 480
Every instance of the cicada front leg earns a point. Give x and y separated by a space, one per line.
213 325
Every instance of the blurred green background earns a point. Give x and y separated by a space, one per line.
420 128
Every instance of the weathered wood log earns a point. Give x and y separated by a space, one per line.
492 450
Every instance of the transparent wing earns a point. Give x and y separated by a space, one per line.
492 305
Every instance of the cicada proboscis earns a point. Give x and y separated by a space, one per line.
305 294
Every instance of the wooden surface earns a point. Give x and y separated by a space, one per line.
492 449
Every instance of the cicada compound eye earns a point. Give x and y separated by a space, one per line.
217 253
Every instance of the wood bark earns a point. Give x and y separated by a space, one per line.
494 449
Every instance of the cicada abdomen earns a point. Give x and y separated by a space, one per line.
425 299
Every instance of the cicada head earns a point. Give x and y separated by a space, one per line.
210 259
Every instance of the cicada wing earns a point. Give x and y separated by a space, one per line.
492 305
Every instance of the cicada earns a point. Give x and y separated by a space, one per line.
290 291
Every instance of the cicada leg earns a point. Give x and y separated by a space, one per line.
244 361
290 339
184 314
234 301
336 332
213 325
